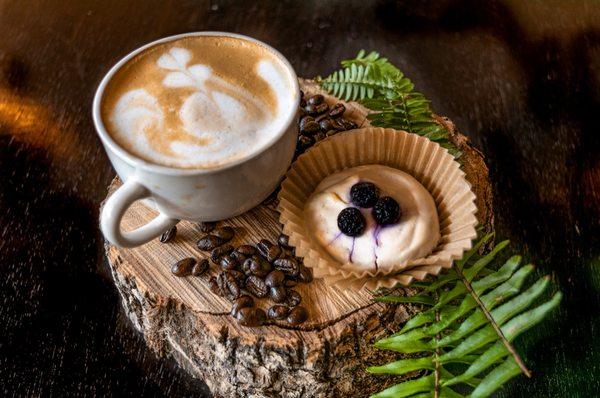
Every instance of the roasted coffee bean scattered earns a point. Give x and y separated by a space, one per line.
337 110
209 242
284 241
304 142
251 316
305 275
256 286
241 302
275 278
227 262
200 267
297 315
225 285
318 120
168 235
264 270
288 265
239 276
268 250
218 252
278 294
290 282
315 100
246 250
316 109
308 125
183 267
225 233
278 312
239 257
206 226
319 137
257 265
293 298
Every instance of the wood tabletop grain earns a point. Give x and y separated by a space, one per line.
520 78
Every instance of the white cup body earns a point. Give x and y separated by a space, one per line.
197 194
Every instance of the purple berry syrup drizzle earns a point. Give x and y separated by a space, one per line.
351 250
376 233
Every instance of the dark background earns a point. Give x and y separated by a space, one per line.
521 78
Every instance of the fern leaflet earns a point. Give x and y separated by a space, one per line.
464 338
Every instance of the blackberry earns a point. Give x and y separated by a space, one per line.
364 194
386 211
351 221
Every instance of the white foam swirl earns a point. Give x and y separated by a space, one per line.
224 122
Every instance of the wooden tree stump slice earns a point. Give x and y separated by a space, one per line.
324 357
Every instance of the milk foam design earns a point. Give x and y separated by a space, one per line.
206 121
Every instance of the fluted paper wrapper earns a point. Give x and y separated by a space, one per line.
425 160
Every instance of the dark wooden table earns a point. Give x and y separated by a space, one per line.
521 78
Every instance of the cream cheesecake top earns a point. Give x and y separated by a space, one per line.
414 235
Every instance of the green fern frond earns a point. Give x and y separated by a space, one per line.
383 88
474 313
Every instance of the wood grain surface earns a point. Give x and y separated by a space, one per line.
520 78
182 318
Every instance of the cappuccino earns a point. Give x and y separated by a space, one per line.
199 101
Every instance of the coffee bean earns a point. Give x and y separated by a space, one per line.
275 278
337 110
256 265
310 128
348 124
246 250
241 302
239 257
302 98
278 312
256 286
239 277
278 294
225 285
218 252
288 265
327 124
290 282
304 121
268 250
293 298
183 267
319 137
297 315
305 275
225 233
206 226
304 142
168 235
200 267
209 242
331 132
227 262
251 316
315 99
316 109
284 242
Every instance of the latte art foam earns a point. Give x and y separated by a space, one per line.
198 102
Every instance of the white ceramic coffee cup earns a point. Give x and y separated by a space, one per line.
192 194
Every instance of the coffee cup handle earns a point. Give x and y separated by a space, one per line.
114 209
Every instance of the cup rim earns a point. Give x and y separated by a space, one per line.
140 163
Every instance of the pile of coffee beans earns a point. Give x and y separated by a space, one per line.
265 270
318 120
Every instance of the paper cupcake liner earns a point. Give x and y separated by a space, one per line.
425 160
